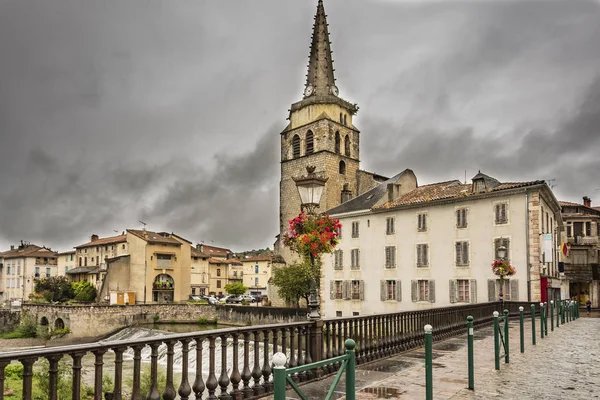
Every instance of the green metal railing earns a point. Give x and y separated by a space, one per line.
283 376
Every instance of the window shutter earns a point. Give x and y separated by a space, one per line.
331 290
393 250
458 224
432 291
341 266
383 286
419 223
398 290
503 212
452 291
507 245
473 287
514 290
459 257
465 213
419 254
413 291
497 213
426 254
465 253
491 290
424 222
361 287
345 291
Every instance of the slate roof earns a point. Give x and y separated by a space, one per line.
366 200
104 241
81 270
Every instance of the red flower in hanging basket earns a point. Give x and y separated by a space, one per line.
312 235
502 268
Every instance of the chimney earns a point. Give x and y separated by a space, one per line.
393 191
346 193
95 237
587 201
12 246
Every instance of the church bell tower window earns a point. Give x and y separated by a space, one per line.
338 142
310 147
342 167
296 146
347 146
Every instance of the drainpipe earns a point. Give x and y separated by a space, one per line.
527 246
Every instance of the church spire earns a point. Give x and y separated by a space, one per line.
320 80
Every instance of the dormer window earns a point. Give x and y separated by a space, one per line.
483 182
479 185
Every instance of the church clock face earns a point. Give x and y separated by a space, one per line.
308 91
334 90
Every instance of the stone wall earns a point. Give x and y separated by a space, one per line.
95 321
9 320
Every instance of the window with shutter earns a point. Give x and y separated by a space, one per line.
339 259
492 290
473 285
452 291
355 227
331 290
390 290
461 218
390 256
422 222
414 290
356 290
390 228
431 287
383 290
462 253
463 291
423 293
422 255
355 259
501 213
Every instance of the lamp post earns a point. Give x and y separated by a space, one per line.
310 188
502 256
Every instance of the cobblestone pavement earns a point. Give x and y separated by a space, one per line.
563 365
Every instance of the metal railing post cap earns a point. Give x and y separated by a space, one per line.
349 344
470 318
496 313
551 301
279 360
428 328
521 308
542 304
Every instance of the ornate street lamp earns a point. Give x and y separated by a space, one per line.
310 188
502 256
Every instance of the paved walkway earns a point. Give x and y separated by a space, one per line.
563 365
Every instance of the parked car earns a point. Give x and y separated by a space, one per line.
195 298
212 300
234 299
223 299
247 297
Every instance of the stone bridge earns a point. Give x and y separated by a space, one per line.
99 320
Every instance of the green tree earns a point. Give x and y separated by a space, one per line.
236 289
293 281
84 291
56 288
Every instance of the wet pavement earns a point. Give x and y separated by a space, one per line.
562 365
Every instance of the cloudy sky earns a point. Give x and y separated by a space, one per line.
169 112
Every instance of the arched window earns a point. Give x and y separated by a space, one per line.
347 145
341 118
296 146
338 142
342 167
345 119
310 146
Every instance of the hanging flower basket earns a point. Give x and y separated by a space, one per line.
502 268
312 235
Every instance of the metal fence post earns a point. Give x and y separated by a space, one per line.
576 305
470 352
546 319
541 320
496 341
428 362
350 367
279 375
506 341
558 314
552 315
522 328
562 312
533 324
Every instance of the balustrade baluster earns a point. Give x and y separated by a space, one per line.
402 322
380 337
76 388
246 374
310 374
362 339
333 344
327 354
169 392
224 378
284 343
211 381
118 384
137 372
256 372
369 338
340 346
292 363
394 322
184 388
386 335
27 377
199 385
236 378
154 394
301 375
53 377
266 369
3 365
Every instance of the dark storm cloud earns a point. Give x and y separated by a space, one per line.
112 112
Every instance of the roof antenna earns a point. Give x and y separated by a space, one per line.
143 223
465 176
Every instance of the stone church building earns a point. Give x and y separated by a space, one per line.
321 133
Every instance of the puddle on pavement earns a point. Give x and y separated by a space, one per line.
421 355
447 346
392 366
383 392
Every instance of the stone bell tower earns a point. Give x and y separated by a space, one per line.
320 133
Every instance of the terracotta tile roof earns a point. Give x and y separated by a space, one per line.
104 241
67 252
584 210
215 251
448 190
81 270
197 253
260 257
30 250
220 260
569 204
153 237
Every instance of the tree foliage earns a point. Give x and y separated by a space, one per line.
55 288
236 289
84 291
293 281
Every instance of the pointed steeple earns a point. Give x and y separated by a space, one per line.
320 80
